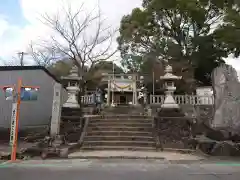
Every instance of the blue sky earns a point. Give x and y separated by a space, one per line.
11 9
12 21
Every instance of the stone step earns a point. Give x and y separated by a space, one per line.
131 148
119 128
119 143
71 111
71 117
119 133
122 120
107 119
120 109
119 124
118 138
119 116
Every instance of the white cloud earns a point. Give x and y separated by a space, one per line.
17 39
3 24
235 62
14 39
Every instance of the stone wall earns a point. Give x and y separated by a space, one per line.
202 113
23 133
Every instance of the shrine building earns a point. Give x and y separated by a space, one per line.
121 89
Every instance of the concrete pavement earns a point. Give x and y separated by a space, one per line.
171 156
103 169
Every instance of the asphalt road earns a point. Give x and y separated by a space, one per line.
118 170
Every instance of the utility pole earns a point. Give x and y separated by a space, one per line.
21 57
17 96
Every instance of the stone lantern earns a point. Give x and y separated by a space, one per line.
72 88
169 79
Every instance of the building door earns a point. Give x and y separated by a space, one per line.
123 99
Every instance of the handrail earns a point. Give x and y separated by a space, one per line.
80 141
156 135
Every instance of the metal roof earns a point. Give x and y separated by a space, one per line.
25 68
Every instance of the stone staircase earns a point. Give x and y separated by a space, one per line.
119 132
123 109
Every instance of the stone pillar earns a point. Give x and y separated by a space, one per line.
135 101
133 90
56 110
108 93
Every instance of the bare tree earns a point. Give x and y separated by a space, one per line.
41 55
81 36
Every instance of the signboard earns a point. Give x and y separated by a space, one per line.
13 123
25 93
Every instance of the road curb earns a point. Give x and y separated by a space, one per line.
116 157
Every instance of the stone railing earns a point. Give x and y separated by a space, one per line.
90 99
184 99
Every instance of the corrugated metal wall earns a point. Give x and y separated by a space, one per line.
35 113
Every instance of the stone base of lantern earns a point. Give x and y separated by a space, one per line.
72 101
170 103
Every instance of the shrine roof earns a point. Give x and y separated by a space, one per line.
170 76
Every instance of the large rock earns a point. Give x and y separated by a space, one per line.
205 144
225 148
227 99
216 148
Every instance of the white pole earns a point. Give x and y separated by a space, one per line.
113 84
153 83
109 90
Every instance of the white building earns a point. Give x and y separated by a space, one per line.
205 92
32 113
